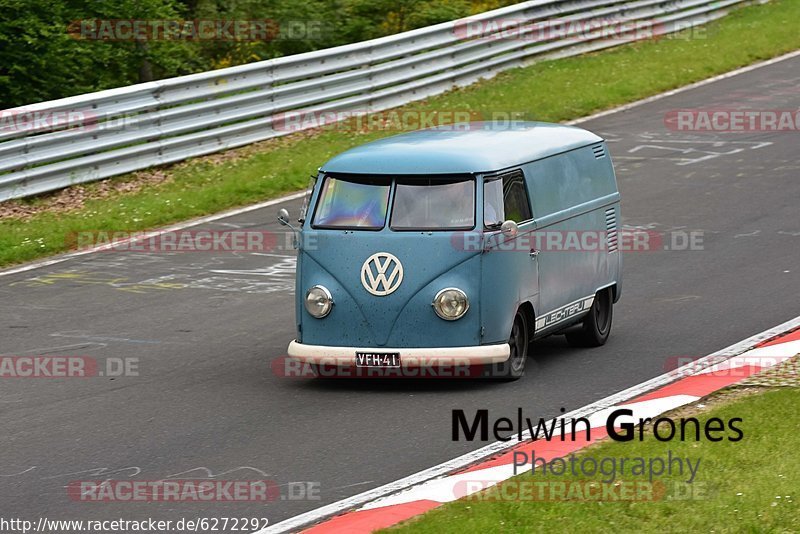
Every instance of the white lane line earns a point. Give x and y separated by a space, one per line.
154 233
701 83
357 501
447 489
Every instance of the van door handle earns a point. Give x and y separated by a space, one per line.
534 253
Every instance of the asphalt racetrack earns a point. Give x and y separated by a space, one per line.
205 331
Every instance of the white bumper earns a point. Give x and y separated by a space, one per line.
409 357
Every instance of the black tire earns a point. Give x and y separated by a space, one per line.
518 341
596 326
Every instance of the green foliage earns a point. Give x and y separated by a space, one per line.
40 61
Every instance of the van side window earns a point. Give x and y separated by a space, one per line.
505 198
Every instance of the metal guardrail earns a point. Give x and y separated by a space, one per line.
140 126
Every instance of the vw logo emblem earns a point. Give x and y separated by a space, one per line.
381 274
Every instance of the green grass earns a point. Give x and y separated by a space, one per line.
549 91
752 485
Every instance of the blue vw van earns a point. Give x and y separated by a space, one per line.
458 245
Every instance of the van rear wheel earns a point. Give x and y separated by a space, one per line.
514 367
596 326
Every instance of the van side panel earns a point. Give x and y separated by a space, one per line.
615 257
509 277
575 199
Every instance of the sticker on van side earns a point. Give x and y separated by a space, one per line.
565 312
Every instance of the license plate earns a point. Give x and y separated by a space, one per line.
377 359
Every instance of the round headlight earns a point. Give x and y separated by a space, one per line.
450 303
319 301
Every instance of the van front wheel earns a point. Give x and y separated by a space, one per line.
514 367
596 326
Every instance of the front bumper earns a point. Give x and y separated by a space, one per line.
409 357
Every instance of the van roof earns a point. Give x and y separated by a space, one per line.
462 148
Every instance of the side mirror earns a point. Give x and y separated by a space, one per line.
283 217
509 229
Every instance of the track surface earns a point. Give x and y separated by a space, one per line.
207 403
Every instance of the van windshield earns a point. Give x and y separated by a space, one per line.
434 205
352 203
